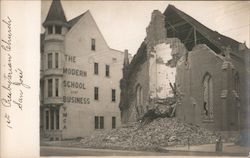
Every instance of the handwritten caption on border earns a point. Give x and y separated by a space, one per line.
13 80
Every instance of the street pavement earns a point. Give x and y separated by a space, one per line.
228 149
73 151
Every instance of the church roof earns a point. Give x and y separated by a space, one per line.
181 21
56 14
219 40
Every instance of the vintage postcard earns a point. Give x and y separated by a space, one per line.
125 78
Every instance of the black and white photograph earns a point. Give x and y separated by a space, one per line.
135 78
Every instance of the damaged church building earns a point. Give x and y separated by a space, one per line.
180 55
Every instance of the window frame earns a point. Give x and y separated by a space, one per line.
46 119
57 119
107 70
96 122
50 87
50 61
52 118
96 68
93 44
50 29
58 29
113 95
56 60
207 97
96 93
57 87
113 122
101 122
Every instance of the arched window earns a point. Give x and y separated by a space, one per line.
208 97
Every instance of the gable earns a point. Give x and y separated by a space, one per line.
82 31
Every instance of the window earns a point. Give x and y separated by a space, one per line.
96 68
50 88
113 95
57 87
107 70
96 91
101 122
208 97
47 119
113 122
96 122
50 29
52 119
57 119
56 60
49 60
58 29
93 44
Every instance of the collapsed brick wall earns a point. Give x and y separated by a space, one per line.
167 63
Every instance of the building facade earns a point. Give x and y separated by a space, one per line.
209 71
80 76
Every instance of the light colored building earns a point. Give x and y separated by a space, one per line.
80 77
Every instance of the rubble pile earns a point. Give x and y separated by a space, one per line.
160 132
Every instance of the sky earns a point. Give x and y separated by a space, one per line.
123 23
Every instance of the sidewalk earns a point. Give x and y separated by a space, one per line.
229 148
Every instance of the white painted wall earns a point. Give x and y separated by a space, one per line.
162 75
80 119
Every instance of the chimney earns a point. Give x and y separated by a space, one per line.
126 59
156 31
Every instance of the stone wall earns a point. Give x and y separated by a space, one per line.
190 75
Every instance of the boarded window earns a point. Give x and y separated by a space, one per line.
113 95
50 83
107 70
50 61
96 68
113 122
93 44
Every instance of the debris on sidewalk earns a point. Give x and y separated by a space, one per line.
160 132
